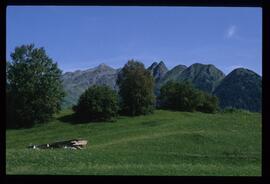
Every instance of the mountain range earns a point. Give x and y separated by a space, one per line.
75 83
241 88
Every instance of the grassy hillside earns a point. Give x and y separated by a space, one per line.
165 143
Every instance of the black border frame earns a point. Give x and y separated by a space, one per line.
264 4
246 3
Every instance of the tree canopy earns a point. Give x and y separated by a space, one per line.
97 103
182 96
136 89
34 89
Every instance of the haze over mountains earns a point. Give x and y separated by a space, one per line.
240 89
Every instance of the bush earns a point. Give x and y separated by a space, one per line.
136 89
97 103
209 104
34 89
184 97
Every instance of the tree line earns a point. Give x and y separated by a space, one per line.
34 92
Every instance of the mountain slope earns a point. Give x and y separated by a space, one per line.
170 75
158 70
151 68
242 88
203 77
75 83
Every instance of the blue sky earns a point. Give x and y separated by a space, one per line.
83 37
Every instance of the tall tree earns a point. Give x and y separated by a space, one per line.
136 89
34 87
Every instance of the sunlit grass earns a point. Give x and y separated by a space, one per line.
164 143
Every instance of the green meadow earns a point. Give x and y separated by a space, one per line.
164 143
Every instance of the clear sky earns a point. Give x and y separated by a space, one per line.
84 37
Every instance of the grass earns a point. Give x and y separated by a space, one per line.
164 143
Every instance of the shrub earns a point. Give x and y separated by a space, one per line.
209 104
179 96
97 103
136 89
184 97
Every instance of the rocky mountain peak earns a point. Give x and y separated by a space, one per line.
153 65
159 70
204 76
162 66
103 66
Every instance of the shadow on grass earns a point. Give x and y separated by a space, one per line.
73 119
